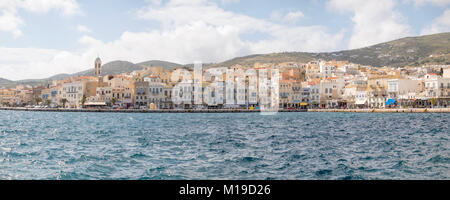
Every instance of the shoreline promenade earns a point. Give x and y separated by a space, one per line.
389 110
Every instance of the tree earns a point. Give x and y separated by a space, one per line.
48 102
113 100
83 101
38 100
441 73
63 101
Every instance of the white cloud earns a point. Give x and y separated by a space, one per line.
83 29
225 2
194 30
374 21
68 7
425 2
29 63
10 20
175 14
184 44
290 17
184 2
293 16
154 2
439 25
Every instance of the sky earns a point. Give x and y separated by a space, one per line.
41 38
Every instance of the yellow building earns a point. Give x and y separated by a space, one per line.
290 94
7 97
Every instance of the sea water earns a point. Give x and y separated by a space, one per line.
66 145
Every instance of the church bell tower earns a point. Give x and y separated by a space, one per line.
98 67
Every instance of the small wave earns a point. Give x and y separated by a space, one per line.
138 155
367 158
62 175
297 157
350 177
324 172
439 159
249 159
400 164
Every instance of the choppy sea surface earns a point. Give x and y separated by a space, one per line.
51 145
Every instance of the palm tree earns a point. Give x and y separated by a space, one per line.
63 101
113 100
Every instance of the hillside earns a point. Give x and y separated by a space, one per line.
268 58
6 83
412 51
159 63
115 67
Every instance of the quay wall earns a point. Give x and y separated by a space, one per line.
391 110
145 111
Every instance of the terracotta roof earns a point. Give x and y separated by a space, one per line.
84 77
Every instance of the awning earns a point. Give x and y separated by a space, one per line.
95 104
390 102
360 102
303 104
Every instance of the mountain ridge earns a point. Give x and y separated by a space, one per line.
412 51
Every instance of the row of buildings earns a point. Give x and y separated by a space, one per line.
316 84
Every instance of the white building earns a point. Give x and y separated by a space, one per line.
446 73
314 92
361 99
327 70
156 94
73 93
437 87
402 87
103 95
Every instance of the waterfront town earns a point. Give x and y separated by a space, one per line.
313 85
